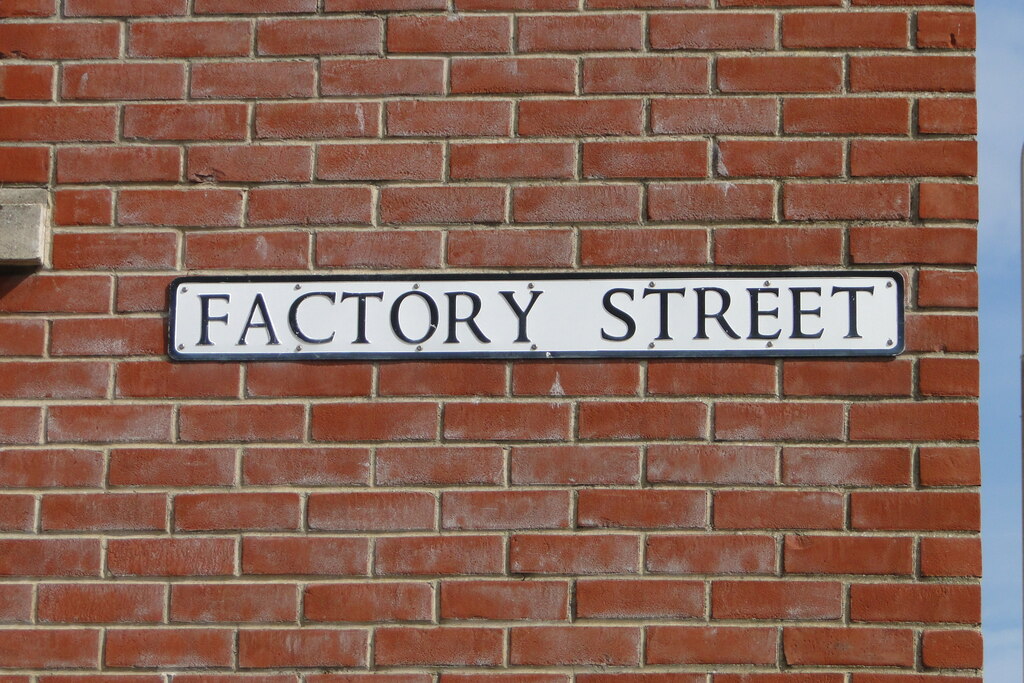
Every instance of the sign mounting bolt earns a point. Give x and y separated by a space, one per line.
651 345
888 285
770 345
888 342
529 286
767 283
298 286
419 348
298 347
184 289
533 347
181 347
416 285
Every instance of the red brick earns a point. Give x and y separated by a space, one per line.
196 207
641 509
577 464
381 5
100 603
579 554
574 646
30 8
439 555
449 118
83 207
948 377
233 423
846 115
951 557
520 248
104 512
505 600
951 649
382 77
24 164
233 602
641 678
770 246
108 423
914 421
68 123
576 204
915 510
142 293
942 333
580 117
710 554
371 511
270 250
64 40
642 420
309 379
806 554
374 422
59 557
16 603
932 603
688 378
922 73
580 33
251 6
849 647
36 380
510 160
505 509
949 30
305 466
315 205
639 599
445 646
316 120
314 555
118 164
171 467
379 249
320 36
123 82
852 378
26 82
180 121
512 75
778 510
248 163
170 556
18 513
178 648
20 425
913 158
949 466
380 162
506 421
669 159
704 202
913 245
438 466
847 201
49 649
264 80
159 379
947 116
22 337
695 645
643 246
779 74
948 201
575 379
449 378
524 5
363 602
780 158
642 75
776 600
711 116
712 31
442 204
779 421
846 466
124 8
711 464
845 30
245 511
449 34
121 250
52 468
646 4
183 39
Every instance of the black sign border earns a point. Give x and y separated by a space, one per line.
412 355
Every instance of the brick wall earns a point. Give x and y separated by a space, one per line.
753 521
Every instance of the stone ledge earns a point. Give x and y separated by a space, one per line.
24 222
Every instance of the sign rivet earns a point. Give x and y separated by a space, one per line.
650 284
888 342
181 347
888 285
184 289
651 345
529 286
416 285
298 286
419 348
767 283
769 345
299 347
533 347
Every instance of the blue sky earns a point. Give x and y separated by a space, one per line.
1001 112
